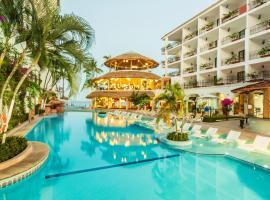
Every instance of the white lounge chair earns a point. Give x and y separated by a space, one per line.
233 136
260 144
196 128
210 133
186 127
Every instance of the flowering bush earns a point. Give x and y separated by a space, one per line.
226 106
226 102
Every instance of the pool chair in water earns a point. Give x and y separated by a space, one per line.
210 133
260 145
233 136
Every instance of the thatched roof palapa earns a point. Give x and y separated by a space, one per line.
131 60
128 74
256 86
117 94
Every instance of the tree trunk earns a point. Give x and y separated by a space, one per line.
9 78
176 128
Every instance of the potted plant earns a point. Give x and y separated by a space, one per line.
226 106
234 37
229 15
173 107
265 51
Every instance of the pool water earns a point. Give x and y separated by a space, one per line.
95 157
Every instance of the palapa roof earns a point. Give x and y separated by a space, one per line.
128 74
117 94
131 60
256 86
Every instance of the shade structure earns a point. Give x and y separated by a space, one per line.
256 86
117 94
131 60
128 74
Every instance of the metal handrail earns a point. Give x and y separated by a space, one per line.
265 25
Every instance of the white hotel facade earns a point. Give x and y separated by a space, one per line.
223 48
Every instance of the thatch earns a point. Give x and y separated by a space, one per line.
257 86
117 94
128 74
131 60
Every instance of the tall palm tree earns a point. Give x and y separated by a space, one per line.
69 37
172 105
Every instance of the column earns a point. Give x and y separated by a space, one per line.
266 103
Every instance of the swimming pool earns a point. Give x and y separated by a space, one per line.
96 157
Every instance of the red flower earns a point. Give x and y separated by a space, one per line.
226 102
2 18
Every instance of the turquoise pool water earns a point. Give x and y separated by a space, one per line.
95 157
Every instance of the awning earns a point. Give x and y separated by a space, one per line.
117 94
249 88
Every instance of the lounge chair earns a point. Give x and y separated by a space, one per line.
186 127
210 133
196 128
233 136
260 144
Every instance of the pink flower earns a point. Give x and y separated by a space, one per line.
2 18
226 102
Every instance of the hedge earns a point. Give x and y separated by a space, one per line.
12 147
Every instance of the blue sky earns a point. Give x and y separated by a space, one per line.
132 25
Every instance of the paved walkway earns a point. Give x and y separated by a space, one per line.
34 159
255 127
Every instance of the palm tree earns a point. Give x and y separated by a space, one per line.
173 106
67 38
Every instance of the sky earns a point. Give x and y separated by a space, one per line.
132 25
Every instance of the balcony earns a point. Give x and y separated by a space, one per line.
234 59
209 46
191 84
260 27
190 53
234 13
189 70
256 3
173 59
173 74
171 46
231 80
207 66
190 36
262 53
258 76
208 27
233 37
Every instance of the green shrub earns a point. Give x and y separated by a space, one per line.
176 136
216 118
12 147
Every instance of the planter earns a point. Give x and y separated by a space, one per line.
176 144
267 55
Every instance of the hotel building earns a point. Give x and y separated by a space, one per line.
224 52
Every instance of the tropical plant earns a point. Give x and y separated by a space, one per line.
226 106
172 106
140 99
58 43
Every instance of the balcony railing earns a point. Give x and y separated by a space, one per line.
260 27
233 79
190 36
207 66
256 3
176 73
232 60
209 46
189 70
233 37
190 53
173 59
208 27
171 45
234 13
262 53
258 76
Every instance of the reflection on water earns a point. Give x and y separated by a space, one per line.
118 140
